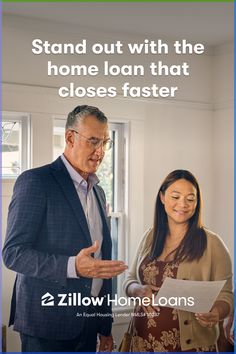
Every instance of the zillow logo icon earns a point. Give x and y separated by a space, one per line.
47 300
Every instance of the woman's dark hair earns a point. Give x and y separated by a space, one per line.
194 242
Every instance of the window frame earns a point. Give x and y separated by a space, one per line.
119 195
24 139
118 165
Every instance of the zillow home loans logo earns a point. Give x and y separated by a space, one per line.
47 300
76 299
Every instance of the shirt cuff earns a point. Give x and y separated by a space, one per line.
71 272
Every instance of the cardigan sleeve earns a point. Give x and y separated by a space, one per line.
222 270
132 276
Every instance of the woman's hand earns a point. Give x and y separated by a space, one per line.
228 327
208 319
138 290
219 311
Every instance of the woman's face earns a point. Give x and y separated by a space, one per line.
180 201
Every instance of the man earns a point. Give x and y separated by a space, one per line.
58 242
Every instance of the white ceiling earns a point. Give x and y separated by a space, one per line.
209 23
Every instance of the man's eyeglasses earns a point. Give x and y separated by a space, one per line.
97 143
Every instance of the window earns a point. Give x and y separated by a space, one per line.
111 175
15 143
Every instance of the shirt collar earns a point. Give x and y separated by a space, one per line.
76 176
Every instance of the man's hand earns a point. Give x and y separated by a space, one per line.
89 267
106 344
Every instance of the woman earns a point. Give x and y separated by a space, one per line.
178 246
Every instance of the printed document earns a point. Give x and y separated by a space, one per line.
188 295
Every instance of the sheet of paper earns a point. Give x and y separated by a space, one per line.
188 295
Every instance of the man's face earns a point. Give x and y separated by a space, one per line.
80 152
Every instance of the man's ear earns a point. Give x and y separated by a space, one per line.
69 138
162 197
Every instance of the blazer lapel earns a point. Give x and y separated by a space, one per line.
63 178
101 205
106 244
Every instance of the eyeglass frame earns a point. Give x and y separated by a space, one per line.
98 144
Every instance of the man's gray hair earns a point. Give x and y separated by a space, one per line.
81 112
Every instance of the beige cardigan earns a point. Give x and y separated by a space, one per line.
215 264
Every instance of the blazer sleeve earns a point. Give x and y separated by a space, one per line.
27 212
221 270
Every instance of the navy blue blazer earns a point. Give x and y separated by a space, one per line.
46 225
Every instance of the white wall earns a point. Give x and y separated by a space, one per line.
177 138
19 32
193 132
223 143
